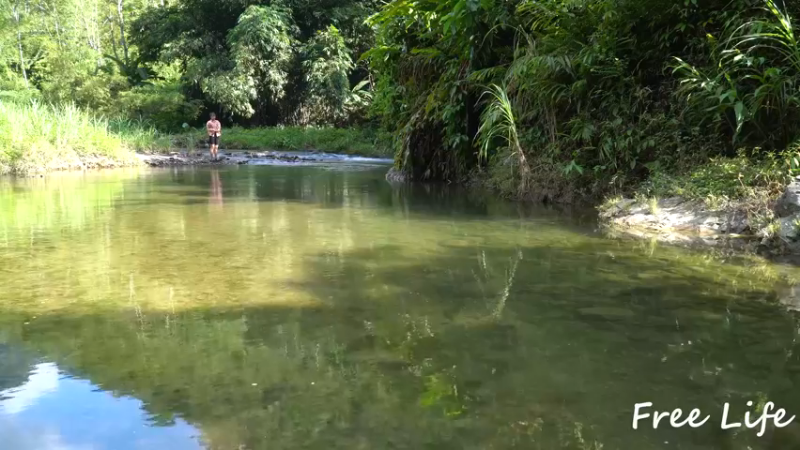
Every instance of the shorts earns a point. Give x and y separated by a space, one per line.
213 140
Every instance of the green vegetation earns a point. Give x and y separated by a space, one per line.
353 141
734 178
44 137
563 99
582 98
152 66
41 137
168 62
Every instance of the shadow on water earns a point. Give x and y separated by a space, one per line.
476 347
336 189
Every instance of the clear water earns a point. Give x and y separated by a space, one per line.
322 308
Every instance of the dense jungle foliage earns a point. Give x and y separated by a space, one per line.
165 63
562 98
570 98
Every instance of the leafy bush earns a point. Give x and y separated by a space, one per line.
328 98
731 178
77 79
749 87
162 104
580 93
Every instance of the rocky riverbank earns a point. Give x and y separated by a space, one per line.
765 223
225 158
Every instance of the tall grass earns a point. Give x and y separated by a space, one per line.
38 137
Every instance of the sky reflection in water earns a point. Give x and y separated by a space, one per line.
52 411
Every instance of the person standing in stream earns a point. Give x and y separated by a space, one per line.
214 129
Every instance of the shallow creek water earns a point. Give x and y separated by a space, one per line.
320 307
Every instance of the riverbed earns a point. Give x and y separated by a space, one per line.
317 306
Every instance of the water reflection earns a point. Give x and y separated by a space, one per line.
216 189
326 309
53 411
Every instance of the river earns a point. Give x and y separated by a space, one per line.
320 307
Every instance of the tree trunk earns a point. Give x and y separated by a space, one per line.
15 12
122 31
93 34
114 41
59 40
22 58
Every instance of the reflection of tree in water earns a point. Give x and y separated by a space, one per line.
15 365
414 353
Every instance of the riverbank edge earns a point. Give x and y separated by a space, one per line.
165 159
95 162
761 224
240 157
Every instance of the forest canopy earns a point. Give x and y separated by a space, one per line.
164 62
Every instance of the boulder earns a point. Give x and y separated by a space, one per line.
789 228
396 176
737 222
789 202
